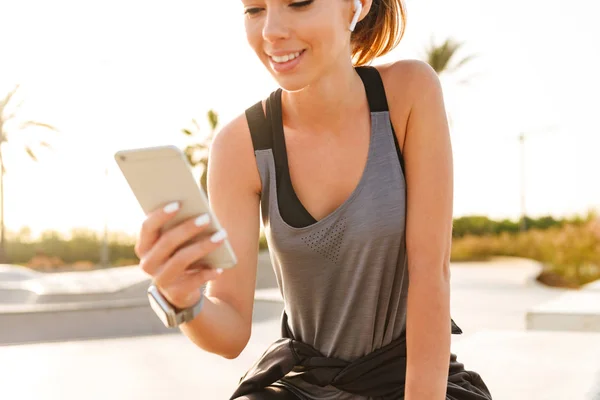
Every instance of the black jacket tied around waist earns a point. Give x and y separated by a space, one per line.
379 374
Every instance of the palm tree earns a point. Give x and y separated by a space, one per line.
442 58
197 153
9 123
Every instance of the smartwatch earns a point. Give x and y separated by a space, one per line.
171 316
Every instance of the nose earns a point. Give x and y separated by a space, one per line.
275 26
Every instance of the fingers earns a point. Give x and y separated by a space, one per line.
177 264
170 241
186 291
151 228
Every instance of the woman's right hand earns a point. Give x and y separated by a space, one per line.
168 263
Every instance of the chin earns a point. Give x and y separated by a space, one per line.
291 84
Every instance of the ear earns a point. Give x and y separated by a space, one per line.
360 9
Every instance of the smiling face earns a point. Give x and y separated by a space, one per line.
299 41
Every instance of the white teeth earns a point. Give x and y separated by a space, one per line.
286 58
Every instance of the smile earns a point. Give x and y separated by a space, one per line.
286 62
285 58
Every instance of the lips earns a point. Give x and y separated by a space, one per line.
285 61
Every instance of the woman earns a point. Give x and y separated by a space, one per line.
352 169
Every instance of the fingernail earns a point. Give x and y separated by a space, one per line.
171 207
219 271
202 220
217 237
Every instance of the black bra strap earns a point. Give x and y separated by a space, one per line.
377 99
275 117
260 129
374 87
290 207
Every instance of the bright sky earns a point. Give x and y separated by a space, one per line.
115 74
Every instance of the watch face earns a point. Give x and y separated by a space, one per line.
162 309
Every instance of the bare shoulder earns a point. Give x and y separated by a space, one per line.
232 154
407 81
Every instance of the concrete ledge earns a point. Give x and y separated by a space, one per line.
534 365
573 311
113 318
20 285
593 286
29 323
498 271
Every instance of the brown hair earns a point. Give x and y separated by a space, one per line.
379 32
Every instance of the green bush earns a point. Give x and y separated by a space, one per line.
480 225
81 245
571 250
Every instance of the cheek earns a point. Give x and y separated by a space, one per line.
254 36
319 36
327 40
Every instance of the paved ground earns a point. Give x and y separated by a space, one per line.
489 302
161 367
542 366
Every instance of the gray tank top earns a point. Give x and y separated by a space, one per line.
344 278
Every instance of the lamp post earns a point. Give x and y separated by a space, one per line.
546 130
523 205
104 251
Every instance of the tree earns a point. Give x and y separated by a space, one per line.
442 58
9 124
197 153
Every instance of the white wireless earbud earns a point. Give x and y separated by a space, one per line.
357 11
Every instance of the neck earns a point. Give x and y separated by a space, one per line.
324 105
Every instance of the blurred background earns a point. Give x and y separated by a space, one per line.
80 80
519 81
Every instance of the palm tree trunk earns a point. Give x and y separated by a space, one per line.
2 238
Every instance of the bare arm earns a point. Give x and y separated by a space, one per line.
429 174
224 325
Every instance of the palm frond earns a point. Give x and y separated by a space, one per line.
439 57
30 153
15 109
7 98
27 124
462 62
213 119
196 124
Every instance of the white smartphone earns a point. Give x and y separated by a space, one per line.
161 175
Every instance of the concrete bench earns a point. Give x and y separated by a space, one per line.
30 287
104 318
572 311
535 365
595 286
